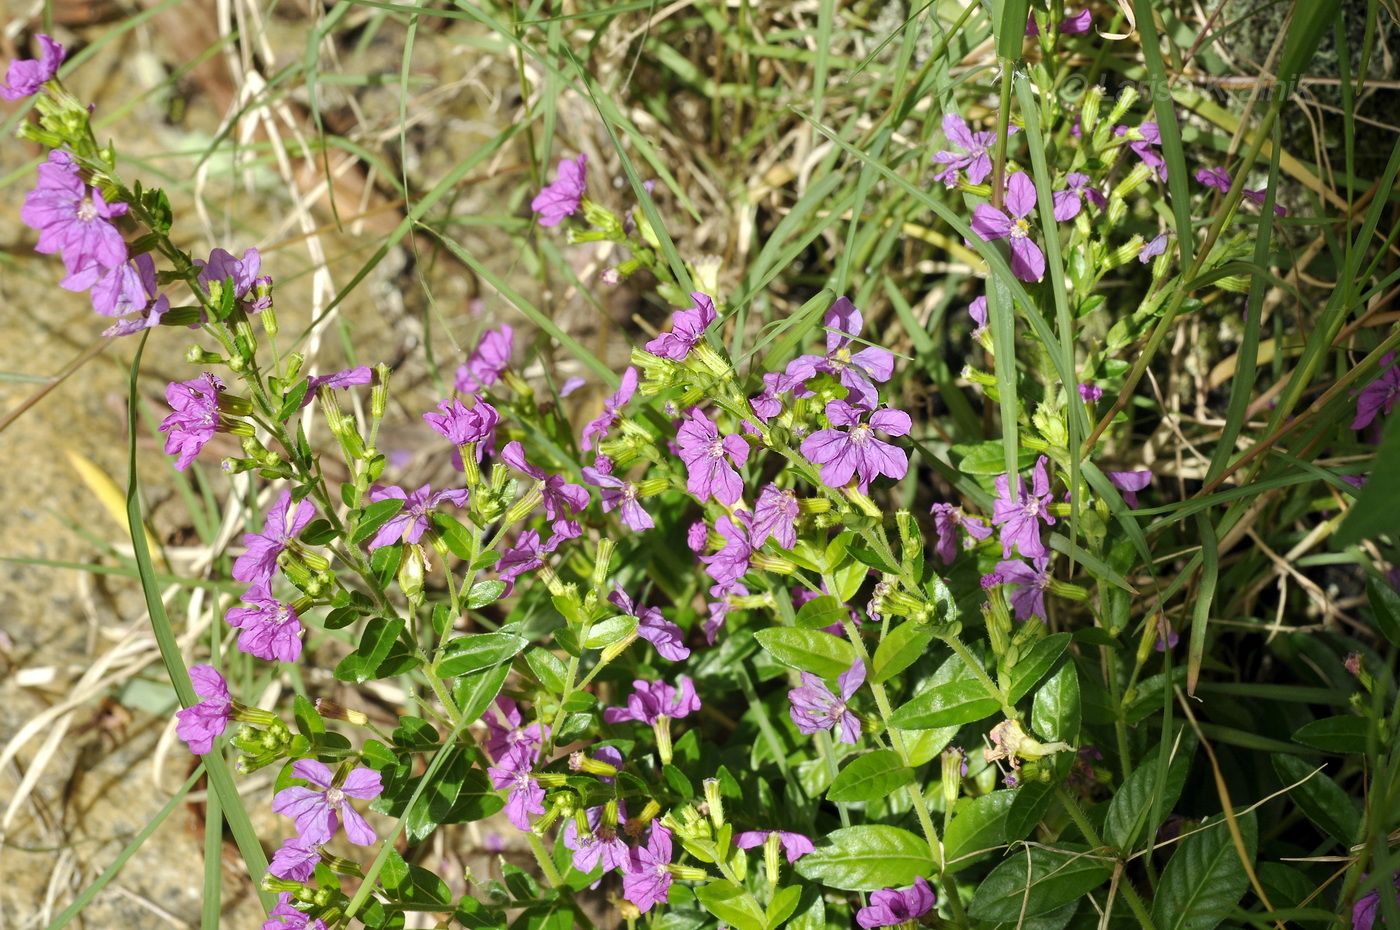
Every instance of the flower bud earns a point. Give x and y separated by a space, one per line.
411 572
580 762
662 729
1140 175
1089 110
635 825
688 873
714 802
651 487
1126 98
196 355
379 394
333 711
525 504
613 650
954 764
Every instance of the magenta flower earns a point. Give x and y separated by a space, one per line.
653 627
460 424
525 796
1363 912
526 555
1217 178
1019 515
619 495
815 708
504 731
975 156
857 371
562 196
775 515
947 519
597 428
856 452
27 75
650 701
719 606
222 266
74 220
487 362
600 844
561 499
1069 201
200 724
731 562
1256 197
1091 393
339 380
766 405
1129 482
989 223
1379 397
1142 141
319 809
1030 581
1152 248
410 523
795 845
978 311
296 859
271 630
646 880
687 329
710 459
1074 24
286 917
126 288
889 906
194 418
696 536
258 562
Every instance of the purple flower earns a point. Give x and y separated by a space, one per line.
1379 397
708 458
989 223
653 627
258 562
600 844
687 328
1217 178
857 371
890 906
296 859
525 556
1019 515
561 499
696 536
795 845
222 266
410 523
460 424
731 562
650 701
619 495
1028 600
1363 912
766 405
128 288
1091 393
1141 140
350 377
775 515
856 452
1069 201
563 196
1074 24
286 917
504 731
200 724
1167 637
195 417
525 797
487 362
27 75
271 630
975 156
597 428
1256 197
646 881
319 809
74 220
1129 482
978 311
719 608
815 708
946 521
1152 248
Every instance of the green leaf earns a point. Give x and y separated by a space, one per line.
475 651
459 541
821 612
867 858
874 775
782 905
978 824
1051 878
1011 28
1204 878
291 401
1341 734
732 905
1055 711
951 704
1029 806
475 692
1031 667
1320 798
410 884
609 631
822 654
375 516
900 649
547 668
485 592
1385 606
318 532
375 644
1145 790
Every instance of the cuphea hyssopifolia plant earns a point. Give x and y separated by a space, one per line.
598 708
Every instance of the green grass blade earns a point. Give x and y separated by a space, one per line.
1200 608
1167 125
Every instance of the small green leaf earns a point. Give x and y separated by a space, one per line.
475 651
812 651
874 775
1130 812
318 532
1050 879
1031 667
732 905
371 518
1320 798
1204 878
485 592
900 649
547 668
475 692
1027 808
375 644
782 905
867 858
1341 734
609 631
458 540
951 704
1055 711
410 884
979 824
291 401
821 612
